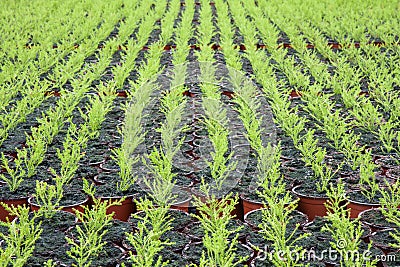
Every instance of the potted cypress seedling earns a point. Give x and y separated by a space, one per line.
369 193
214 216
86 239
146 241
13 179
123 186
20 241
312 201
345 232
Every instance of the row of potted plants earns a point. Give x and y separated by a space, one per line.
86 237
66 105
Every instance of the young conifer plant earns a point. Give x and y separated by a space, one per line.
19 242
146 240
214 216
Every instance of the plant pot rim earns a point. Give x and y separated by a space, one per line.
295 211
377 205
97 163
243 197
390 175
15 198
57 211
178 210
172 205
251 224
306 196
379 244
83 202
170 209
107 169
379 227
220 194
20 193
116 197
313 221
189 197
372 209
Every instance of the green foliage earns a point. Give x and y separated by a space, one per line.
350 148
23 233
183 34
146 240
160 160
345 232
387 135
48 197
161 165
172 106
161 182
324 77
368 183
221 165
290 122
276 217
248 105
71 153
214 216
269 176
50 263
205 31
125 162
367 116
97 109
133 135
34 97
88 242
14 176
390 202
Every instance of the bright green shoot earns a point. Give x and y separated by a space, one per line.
48 197
14 176
346 233
146 240
88 242
21 238
215 214
220 165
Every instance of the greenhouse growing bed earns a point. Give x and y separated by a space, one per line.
199 133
